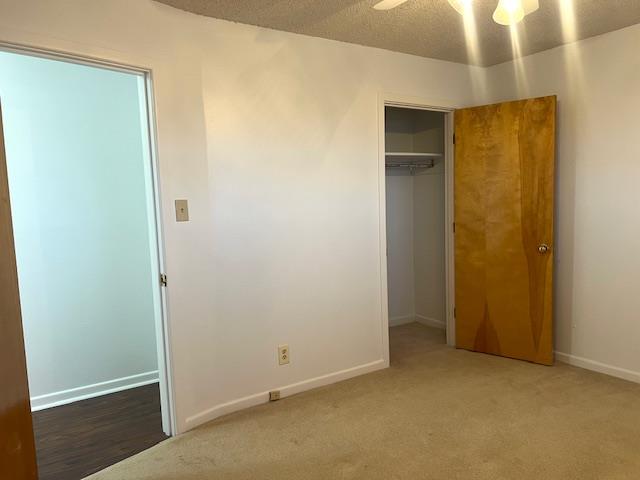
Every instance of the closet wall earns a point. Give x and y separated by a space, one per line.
415 219
428 241
400 256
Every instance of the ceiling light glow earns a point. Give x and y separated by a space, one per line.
388 4
462 6
510 12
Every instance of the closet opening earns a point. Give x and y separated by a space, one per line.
416 153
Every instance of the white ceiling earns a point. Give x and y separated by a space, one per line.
429 28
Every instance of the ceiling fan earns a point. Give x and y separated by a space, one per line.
508 12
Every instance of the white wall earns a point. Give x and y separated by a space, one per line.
77 158
273 138
598 201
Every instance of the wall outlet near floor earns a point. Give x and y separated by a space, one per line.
283 354
274 395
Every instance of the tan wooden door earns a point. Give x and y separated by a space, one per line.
17 450
504 186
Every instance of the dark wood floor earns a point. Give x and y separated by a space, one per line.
76 440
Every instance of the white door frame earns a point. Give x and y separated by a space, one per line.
447 107
165 371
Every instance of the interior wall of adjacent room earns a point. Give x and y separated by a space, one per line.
273 139
598 173
78 163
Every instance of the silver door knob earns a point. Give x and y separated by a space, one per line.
543 248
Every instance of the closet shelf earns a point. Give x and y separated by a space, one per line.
412 155
411 160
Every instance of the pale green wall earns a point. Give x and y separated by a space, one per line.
79 182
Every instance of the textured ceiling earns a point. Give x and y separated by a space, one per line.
429 28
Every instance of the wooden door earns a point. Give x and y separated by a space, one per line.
504 186
17 450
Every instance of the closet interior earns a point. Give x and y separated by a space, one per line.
415 212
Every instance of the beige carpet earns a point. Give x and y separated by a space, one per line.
437 413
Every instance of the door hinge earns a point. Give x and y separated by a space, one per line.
454 227
454 312
163 279
454 138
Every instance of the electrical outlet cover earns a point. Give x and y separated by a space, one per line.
284 355
274 395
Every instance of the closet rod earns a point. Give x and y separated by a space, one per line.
410 165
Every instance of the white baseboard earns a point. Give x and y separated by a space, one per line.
397 321
431 322
598 367
286 391
64 397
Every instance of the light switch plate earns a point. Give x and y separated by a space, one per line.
182 211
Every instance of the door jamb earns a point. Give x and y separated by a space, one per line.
165 364
447 107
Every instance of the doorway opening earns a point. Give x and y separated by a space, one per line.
83 192
417 157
